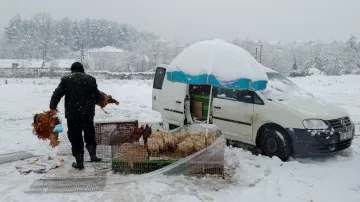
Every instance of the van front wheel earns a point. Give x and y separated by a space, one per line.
275 142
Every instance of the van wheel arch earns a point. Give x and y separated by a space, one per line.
274 127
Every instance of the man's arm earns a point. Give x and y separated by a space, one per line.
97 94
57 95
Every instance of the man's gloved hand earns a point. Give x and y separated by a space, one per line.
53 112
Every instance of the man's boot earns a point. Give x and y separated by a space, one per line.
92 153
79 164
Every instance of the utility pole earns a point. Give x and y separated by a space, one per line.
82 52
295 65
256 53
260 52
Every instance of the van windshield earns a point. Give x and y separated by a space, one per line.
281 88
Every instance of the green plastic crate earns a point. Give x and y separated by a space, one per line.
122 167
157 164
200 97
119 166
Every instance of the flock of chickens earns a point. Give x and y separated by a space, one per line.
179 142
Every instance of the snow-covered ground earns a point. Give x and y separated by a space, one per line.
256 178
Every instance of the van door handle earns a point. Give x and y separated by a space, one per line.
177 101
217 107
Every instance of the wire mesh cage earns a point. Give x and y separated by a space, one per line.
114 133
126 149
195 159
110 135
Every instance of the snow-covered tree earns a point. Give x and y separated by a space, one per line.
45 34
351 55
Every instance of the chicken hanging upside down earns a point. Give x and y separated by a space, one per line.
108 100
43 126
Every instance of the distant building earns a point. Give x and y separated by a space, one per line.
108 58
62 64
10 67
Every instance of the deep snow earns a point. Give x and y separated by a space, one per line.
255 178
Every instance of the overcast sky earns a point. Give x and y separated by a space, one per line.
188 20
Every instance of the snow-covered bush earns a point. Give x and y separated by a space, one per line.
314 71
356 72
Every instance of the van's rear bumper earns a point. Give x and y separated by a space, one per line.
308 143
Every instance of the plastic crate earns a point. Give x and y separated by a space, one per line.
202 98
196 96
157 164
119 166
205 110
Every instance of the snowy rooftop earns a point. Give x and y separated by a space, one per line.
6 63
34 64
64 63
23 63
106 49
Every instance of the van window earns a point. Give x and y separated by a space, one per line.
245 96
258 100
281 88
159 77
225 93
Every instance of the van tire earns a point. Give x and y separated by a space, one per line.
275 142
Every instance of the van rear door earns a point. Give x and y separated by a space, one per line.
168 98
157 87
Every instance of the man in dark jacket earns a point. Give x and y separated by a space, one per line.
81 92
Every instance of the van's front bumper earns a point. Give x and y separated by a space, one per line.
315 143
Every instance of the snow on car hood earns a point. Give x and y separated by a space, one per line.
315 108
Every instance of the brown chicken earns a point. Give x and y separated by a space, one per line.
108 100
136 135
147 133
43 127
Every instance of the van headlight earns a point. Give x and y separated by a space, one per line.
315 124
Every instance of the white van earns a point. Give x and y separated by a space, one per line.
282 120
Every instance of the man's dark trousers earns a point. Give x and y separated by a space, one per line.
75 129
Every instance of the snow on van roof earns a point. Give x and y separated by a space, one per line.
268 70
219 58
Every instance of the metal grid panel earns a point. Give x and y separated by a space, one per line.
64 148
68 185
15 156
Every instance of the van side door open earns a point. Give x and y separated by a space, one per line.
233 112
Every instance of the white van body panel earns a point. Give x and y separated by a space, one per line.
236 117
